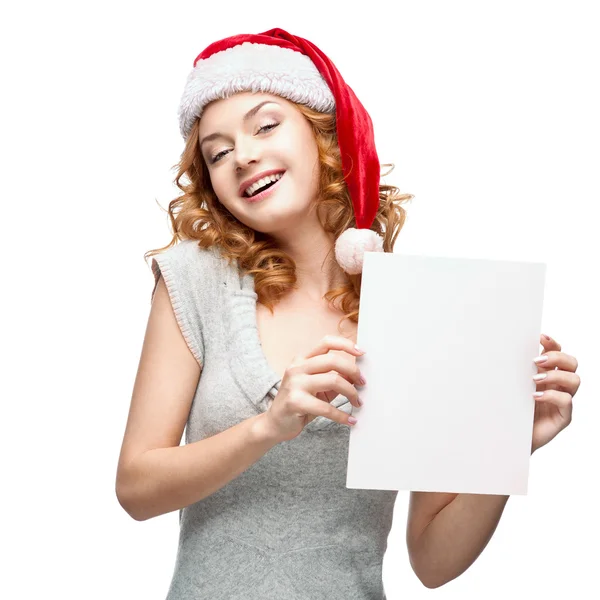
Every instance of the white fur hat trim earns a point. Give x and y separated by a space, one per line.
256 68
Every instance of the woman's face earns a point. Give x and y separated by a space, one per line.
253 133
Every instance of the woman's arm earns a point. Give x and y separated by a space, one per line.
155 474
447 532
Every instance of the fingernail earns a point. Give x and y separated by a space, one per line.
362 381
546 336
540 359
352 421
360 402
540 376
359 349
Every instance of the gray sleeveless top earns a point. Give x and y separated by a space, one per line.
287 527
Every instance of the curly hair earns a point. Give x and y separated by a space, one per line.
198 214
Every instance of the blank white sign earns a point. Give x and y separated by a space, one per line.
448 404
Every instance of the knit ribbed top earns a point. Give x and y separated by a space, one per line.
287 527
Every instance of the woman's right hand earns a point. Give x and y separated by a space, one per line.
306 385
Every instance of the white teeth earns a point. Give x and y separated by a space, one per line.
261 182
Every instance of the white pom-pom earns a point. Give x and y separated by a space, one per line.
351 246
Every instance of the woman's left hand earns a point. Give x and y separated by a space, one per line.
553 409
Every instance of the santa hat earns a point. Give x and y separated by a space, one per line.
289 66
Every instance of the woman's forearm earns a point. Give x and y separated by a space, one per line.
456 536
167 479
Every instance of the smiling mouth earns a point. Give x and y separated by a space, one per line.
265 187
264 191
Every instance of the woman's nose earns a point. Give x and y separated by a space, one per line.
246 151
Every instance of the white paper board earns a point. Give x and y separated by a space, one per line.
448 403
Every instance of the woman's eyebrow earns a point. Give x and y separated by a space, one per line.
247 116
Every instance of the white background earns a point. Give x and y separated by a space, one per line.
489 111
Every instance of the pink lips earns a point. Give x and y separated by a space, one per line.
246 184
264 193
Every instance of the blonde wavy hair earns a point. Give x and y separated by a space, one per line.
198 214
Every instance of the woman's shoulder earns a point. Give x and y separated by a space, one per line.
187 253
193 274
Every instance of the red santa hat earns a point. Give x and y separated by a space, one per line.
289 66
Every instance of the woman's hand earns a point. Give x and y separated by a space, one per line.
308 386
554 407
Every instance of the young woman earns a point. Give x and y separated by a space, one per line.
251 344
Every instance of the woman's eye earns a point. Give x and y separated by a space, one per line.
215 158
266 127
